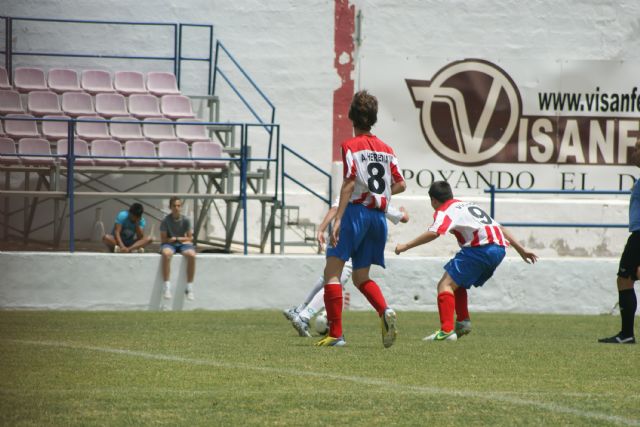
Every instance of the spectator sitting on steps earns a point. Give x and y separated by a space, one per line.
127 234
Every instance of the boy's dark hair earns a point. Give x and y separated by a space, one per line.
173 200
441 191
364 110
136 209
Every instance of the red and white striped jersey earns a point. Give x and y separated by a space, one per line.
374 166
471 225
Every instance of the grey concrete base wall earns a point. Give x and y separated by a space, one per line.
90 281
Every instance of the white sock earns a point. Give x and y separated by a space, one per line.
190 287
167 285
316 287
315 305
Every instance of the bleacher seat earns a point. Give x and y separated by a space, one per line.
111 104
142 106
1 129
141 148
92 130
55 130
8 147
63 80
157 132
159 83
21 128
77 104
26 79
41 103
96 81
129 83
80 148
177 107
107 148
191 133
207 149
10 102
4 79
126 131
174 149
27 147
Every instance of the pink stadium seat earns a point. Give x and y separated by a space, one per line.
96 81
207 149
4 79
158 133
55 130
26 79
80 148
7 150
92 130
141 149
41 103
111 104
162 84
64 80
175 149
129 83
77 104
191 133
107 148
21 128
144 106
10 102
35 146
177 107
126 131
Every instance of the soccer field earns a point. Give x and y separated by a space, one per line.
251 368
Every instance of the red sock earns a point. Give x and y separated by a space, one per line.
462 309
333 305
446 307
372 292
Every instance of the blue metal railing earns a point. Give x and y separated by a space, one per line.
71 157
175 56
285 176
267 122
493 192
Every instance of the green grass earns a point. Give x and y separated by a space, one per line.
250 368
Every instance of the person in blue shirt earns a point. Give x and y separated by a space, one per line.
629 269
128 231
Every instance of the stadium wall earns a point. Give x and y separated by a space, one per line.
86 281
290 51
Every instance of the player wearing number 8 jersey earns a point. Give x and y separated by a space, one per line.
371 176
482 241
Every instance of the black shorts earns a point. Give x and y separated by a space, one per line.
630 260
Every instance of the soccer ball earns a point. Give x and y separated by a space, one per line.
322 324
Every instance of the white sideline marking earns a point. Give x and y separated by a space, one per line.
490 396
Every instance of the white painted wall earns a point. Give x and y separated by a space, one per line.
84 281
287 47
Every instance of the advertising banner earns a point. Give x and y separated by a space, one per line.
564 125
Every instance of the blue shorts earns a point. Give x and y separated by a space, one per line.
474 266
177 247
363 235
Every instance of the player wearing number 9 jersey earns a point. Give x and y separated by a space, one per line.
371 176
482 241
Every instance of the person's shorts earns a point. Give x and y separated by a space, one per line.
127 240
630 259
178 247
474 266
363 235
